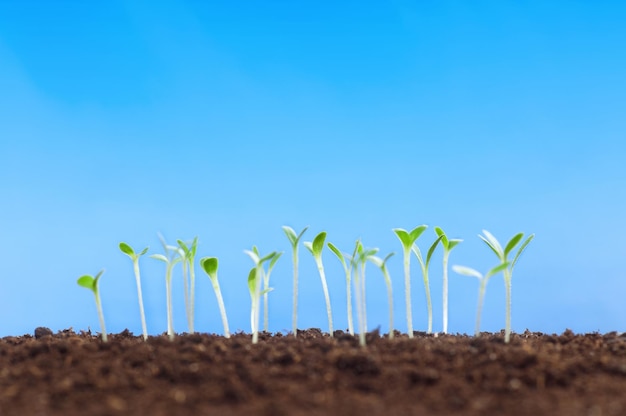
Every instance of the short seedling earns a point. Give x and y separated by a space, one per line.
266 288
467 271
382 264
209 265
359 260
502 255
348 270
294 240
91 283
189 279
424 266
128 250
316 248
172 256
408 239
255 278
448 245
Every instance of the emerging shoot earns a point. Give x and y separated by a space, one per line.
408 239
382 264
189 279
448 245
348 271
266 289
359 260
128 250
424 266
316 248
209 265
294 240
502 255
91 283
255 278
170 258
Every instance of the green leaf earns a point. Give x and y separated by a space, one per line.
404 237
497 269
98 277
252 282
194 247
444 239
268 257
521 249
183 246
264 291
87 281
256 251
209 265
467 271
337 252
160 257
274 260
126 249
417 231
254 256
291 234
432 248
377 261
388 257
512 243
142 252
493 243
318 244
453 243
309 246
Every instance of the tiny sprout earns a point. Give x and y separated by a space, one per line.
128 250
91 283
294 239
424 266
359 260
188 254
255 278
502 255
408 239
266 286
316 248
209 265
467 271
448 245
173 257
348 271
382 264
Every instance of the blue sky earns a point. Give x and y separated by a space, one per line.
227 121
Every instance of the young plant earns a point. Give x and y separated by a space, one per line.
424 266
348 270
255 278
316 248
502 255
382 264
91 283
209 265
359 260
408 239
448 245
266 286
294 240
172 256
128 250
189 278
467 271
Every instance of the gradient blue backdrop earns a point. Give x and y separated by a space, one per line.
227 120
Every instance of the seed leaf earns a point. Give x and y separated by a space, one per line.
274 260
209 264
521 249
160 257
444 239
318 243
126 249
252 282
497 269
512 243
144 251
87 282
291 234
432 248
254 256
493 243
467 271
453 243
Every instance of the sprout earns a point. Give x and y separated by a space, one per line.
255 278
189 279
481 288
266 287
382 264
424 266
348 271
448 245
91 283
408 239
316 248
495 246
128 250
359 260
209 265
294 239
174 255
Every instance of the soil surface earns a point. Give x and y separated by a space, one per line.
536 374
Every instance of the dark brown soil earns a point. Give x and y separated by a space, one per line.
536 374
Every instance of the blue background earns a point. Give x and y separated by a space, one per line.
227 120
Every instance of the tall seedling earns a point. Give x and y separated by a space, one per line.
424 266
255 279
408 239
209 265
316 248
91 283
348 270
172 256
382 264
189 279
448 245
128 250
502 255
294 240
359 260
266 286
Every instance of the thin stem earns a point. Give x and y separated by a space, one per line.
507 284
192 295
256 303
359 306
407 290
186 290
349 301
144 328
266 317
220 304
101 317
168 291
294 325
446 254
481 296
389 300
320 268
428 300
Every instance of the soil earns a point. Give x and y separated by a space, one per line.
536 374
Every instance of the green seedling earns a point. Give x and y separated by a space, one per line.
255 278
172 256
128 250
209 265
189 279
467 271
359 260
502 255
91 283
348 270
316 247
424 266
408 239
382 264
266 286
294 240
448 245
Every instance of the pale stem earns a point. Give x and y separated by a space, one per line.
295 291
407 290
186 290
389 300
446 253
320 268
359 307
481 296
220 304
168 292
192 295
139 295
349 301
428 301
257 306
507 283
101 317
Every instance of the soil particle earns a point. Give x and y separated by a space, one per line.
535 374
